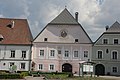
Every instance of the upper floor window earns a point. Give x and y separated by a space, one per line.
40 66
99 54
75 53
41 52
114 55
52 53
23 54
45 39
12 54
51 67
22 66
115 41
105 41
86 54
114 69
66 53
59 51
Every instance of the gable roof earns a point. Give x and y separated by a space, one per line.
18 34
64 18
114 28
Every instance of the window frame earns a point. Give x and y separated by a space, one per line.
40 67
97 55
112 57
104 39
12 54
114 41
23 67
40 53
24 54
74 53
86 53
66 55
51 67
52 53
114 70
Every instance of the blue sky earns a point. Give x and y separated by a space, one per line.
94 15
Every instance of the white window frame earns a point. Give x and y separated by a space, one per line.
114 39
24 56
53 68
97 54
21 66
39 66
103 41
10 64
112 54
11 54
40 52
51 53
112 69
68 54
74 54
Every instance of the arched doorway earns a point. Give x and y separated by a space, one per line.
99 69
66 67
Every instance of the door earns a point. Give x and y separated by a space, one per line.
66 67
99 69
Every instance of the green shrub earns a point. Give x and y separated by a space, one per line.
24 74
10 76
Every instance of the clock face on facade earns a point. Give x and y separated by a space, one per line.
63 33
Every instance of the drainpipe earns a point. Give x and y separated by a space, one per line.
30 57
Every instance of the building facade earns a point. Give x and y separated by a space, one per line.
61 45
15 44
106 51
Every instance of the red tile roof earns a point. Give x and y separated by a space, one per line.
19 34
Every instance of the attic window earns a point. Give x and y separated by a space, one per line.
76 40
1 37
45 39
11 25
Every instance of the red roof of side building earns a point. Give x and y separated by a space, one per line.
15 31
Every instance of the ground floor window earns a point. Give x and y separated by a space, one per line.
114 69
40 66
22 66
51 67
11 64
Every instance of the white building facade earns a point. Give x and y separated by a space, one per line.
15 44
61 45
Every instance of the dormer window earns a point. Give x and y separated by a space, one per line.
115 41
11 25
1 37
105 41
45 39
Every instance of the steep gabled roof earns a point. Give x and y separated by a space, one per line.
64 18
18 34
114 28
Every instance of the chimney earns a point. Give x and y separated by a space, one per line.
76 16
107 27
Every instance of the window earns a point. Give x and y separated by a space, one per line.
114 69
105 41
75 53
66 53
41 52
59 51
40 66
45 39
22 65
51 67
23 54
99 55
86 54
114 55
12 54
76 40
11 64
115 41
52 53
